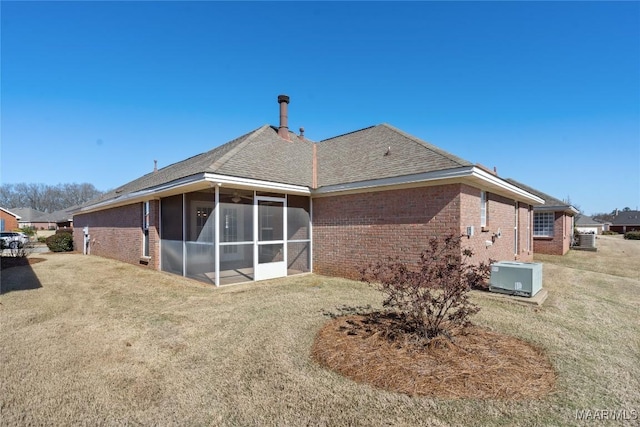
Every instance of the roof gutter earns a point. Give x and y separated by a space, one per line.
564 208
206 180
462 174
471 174
256 184
142 195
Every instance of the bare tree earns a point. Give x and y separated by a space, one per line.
46 198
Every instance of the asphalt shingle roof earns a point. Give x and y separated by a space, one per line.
584 220
264 155
625 218
260 154
372 153
549 201
376 152
29 214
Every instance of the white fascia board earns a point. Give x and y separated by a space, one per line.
143 195
11 213
562 208
502 184
208 178
394 181
234 181
456 175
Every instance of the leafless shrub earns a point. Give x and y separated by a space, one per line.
430 299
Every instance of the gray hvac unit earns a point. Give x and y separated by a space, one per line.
516 278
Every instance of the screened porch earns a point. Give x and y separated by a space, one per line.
225 235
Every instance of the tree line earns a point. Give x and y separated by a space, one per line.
46 198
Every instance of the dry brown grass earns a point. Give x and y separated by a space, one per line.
615 256
479 364
10 261
92 341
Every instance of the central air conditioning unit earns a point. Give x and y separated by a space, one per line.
516 278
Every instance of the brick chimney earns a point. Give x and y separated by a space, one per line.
283 129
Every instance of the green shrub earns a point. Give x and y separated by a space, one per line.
28 230
62 242
632 235
42 239
609 233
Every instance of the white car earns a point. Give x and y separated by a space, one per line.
13 239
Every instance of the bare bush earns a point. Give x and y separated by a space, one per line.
19 251
430 298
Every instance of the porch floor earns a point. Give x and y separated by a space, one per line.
234 276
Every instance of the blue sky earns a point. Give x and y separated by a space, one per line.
547 92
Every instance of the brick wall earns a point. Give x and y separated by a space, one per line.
117 233
349 231
560 242
353 230
500 221
624 228
10 221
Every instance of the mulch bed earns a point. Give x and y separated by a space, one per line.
9 261
479 364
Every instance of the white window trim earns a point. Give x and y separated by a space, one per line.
546 214
146 222
483 208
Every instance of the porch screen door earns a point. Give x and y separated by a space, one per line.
270 247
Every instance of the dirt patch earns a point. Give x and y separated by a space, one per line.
480 364
9 261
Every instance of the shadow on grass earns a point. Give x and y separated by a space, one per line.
17 274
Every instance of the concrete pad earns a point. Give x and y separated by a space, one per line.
537 299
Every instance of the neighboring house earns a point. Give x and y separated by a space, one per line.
8 220
33 218
553 223
62 218
625 221
586 224
272 203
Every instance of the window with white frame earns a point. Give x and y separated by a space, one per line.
145 228
543 224
483 209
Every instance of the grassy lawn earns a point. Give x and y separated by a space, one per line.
94 341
